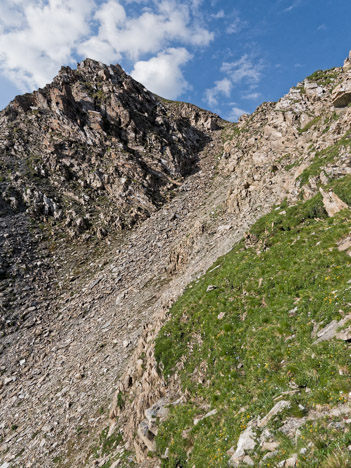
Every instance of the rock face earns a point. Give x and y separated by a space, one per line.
88 156
347 63
342 95
111 201
94 150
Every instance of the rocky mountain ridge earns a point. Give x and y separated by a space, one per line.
85 158
201 183
268 157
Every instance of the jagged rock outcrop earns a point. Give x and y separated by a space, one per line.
342 95
111 156
266 158
86 157
94 150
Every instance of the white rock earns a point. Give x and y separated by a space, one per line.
275 410
290 462
211 413
248 461
270 446
332 203
246 442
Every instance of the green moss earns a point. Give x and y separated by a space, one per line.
310 124
300 88
230 132
342 188
323 77
106 447
272 288
325 157
120 400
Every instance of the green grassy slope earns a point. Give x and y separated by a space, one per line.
243 342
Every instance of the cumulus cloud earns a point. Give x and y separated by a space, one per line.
147 33
222 87
245 70
37 37
40 38
162 74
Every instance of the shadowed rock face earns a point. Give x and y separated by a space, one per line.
90 155
85 158
342 95
94 151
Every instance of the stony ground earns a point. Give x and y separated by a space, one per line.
61 369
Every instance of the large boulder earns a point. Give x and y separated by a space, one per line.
342 94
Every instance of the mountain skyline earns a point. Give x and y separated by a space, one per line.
222 56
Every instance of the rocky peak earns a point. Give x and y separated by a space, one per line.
91 141
89 155
347 62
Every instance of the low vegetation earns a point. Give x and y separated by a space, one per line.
323 77
243 335
325 157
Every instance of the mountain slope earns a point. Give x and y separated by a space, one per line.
284 151
88 156
109 285
65 263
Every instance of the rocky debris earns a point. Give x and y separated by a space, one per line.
246 443
342 94
332 202
279 407
335 329
112 289
148 428
250 442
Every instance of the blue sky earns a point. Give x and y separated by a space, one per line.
226 56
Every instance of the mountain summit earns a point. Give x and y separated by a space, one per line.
196 269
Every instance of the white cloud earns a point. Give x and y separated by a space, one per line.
292 6
32 50
243 69
148 33
162 74
38 36
235 113
223 87
236 24
251 96
219 15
